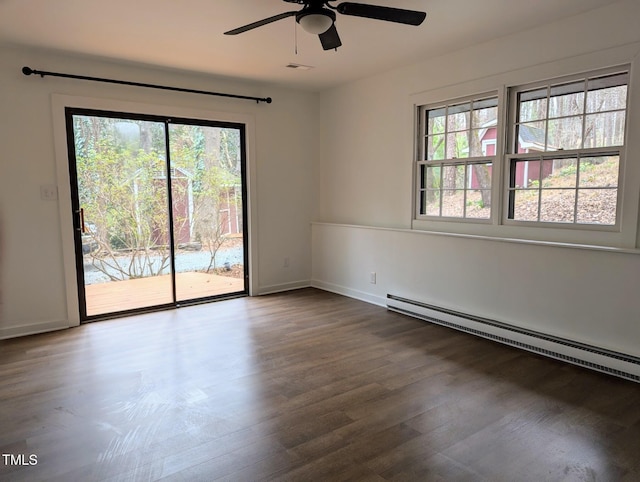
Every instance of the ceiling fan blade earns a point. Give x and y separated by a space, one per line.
330 39
260 23
389 14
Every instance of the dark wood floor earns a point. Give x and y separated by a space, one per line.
304 386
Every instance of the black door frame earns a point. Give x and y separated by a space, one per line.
75 205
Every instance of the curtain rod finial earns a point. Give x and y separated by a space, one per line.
27 70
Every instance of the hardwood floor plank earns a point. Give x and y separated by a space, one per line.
305 385
113 296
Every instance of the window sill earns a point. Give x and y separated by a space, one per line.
499 239
572 238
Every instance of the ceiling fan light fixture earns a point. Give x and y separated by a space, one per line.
316 22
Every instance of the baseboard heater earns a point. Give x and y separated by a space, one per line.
589 356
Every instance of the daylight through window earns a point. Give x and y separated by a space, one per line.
567 150
458 150
560 166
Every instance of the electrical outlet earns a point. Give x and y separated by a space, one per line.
372 278
285 263
49 192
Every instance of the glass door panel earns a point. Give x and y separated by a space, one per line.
207 198
122 216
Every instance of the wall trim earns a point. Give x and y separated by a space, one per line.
496 239
279 288
349 292
33 329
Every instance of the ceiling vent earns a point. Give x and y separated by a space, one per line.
299 66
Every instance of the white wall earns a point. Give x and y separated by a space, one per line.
364 179
34 288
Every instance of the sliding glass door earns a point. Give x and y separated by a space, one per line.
159 211
208 210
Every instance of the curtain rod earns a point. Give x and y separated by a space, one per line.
42 73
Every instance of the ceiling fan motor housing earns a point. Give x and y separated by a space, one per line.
315 20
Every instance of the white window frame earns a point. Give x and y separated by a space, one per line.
421 160
625 238
511 156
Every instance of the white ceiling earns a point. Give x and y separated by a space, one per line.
188 34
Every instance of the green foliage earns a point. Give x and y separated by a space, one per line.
479 203
570 170
434 177
122 184
438 147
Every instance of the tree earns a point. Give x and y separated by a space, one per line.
123 202
212 155
123 189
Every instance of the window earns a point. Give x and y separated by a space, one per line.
457 151
551 158
566 145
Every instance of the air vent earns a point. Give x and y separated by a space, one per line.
299 67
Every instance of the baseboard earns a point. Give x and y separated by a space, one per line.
349 292
32 329
578 353
279 288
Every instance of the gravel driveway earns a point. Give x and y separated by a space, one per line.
185 261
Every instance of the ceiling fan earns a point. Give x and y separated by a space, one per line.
318 17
